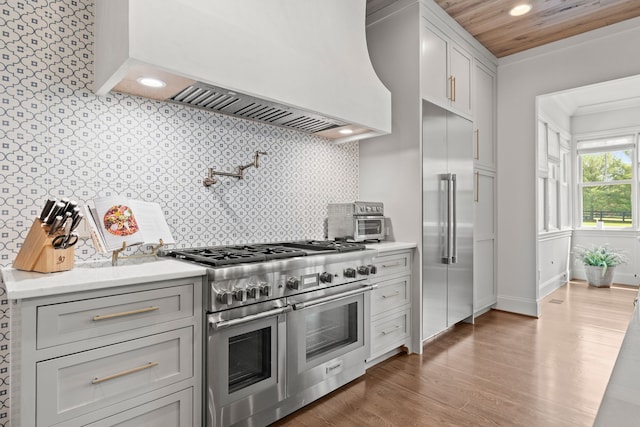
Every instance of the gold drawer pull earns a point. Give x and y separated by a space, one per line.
127 372
125 313
390 331
395 264
396 293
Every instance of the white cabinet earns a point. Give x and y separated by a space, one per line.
125 355
446 71
484 280
390 303
169 411
415 48
460 78
484 116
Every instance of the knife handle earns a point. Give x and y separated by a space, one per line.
55 211
55 225
47 208
76 221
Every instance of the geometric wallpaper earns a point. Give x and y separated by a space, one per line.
59 140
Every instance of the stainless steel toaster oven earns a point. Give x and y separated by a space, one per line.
357 221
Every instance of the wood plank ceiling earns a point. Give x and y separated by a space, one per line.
548 21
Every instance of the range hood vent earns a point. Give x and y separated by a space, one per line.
222 101
299 64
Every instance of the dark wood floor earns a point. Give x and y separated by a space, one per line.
506 370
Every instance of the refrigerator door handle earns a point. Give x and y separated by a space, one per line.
448 241
454 225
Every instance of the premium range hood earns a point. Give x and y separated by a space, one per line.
301 64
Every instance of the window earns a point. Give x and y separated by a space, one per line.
606 182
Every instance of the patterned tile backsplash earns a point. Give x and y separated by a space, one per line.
59 140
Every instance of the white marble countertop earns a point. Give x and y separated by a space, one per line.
620 405
383 247
95 275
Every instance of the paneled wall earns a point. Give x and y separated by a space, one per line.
60 140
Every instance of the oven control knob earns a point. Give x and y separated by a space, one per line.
293 283
225 297
372 269
240 295
265 290
326 277
253 292
363 270
350 272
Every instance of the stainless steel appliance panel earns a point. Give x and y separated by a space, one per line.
460 163
447 248
245 364
326 343
434 220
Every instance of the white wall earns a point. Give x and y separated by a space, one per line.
600 55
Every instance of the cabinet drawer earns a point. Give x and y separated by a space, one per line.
393 264
175 410
390 332
80 320
390 294
77 384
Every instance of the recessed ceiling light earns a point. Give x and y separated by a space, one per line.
346 131
150 82
520 9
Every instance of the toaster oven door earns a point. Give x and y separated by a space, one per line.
368 227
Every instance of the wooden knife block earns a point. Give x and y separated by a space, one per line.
38 254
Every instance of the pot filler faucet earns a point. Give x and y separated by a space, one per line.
210 180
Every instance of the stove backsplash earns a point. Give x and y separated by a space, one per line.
59 140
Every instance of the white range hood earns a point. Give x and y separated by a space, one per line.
302 64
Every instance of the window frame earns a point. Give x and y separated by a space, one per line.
633 181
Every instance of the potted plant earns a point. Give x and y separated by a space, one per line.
599 263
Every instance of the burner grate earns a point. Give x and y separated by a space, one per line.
327 245
219 256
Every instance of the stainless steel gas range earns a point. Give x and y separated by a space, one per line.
285 325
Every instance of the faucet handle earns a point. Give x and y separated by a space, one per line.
258 153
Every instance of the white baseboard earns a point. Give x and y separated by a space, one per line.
518 305
483 310
552 284
618 277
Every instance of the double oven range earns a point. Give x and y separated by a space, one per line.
285 325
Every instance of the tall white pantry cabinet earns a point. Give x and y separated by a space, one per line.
419 52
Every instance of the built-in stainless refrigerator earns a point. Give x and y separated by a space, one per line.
447 219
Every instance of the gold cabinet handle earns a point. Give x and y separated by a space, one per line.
123 373
390 331
477 144
395 264
124 313
454 89
477 198
396 293
450 95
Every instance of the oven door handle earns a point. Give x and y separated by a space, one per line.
331 298
246 319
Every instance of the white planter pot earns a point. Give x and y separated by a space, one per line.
596 278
